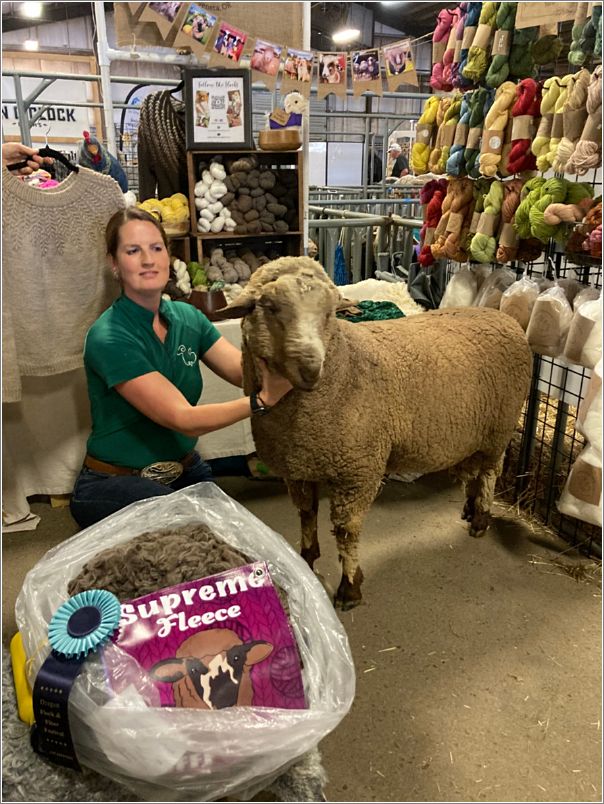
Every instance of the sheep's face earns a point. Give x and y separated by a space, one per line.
290 327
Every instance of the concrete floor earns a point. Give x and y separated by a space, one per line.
478 661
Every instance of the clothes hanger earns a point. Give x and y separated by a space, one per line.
51 152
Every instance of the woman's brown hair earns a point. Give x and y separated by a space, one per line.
124 216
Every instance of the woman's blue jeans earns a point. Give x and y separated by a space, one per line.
98 494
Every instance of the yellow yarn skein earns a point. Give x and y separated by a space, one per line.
435 153
479 53
551 93
421 150
546 158
496 120
448 132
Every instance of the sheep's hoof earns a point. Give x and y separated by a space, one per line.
469 509
326 585
349 594
479 524
310 554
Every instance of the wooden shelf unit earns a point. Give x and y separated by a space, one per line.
290 243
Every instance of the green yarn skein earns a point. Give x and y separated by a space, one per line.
499 68
478 57
552 192
451 118
477 103
530 195
547 49
582 49
521 57
483 246
578 191
597 15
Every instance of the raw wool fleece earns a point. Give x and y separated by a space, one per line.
377 290
158 559
55 280
442 390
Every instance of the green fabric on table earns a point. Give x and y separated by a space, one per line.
372 311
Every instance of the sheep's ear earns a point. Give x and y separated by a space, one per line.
168 670
243 305
344 304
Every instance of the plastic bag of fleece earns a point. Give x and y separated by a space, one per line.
463 286
493 288
549 322
584 342
518 300
582 494
173 753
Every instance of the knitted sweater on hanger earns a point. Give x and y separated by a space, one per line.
162 153
55 280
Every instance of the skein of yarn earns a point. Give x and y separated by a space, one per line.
499 68
443 108
588 151
460 193
494 129
522 64
574 116
484 245
547 160
477 63
470 24
551 92
440 37
597 15
552 192
459 31
424 133
449 53
431 196
547 49
479 106
508 239
455 245
524 110
587 41
577 31
456 163
449 126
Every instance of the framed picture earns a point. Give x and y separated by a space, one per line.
218 109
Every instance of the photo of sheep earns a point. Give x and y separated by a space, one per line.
266 57
332 68
298 65
230 42
365 65
398 58
198 24
167 10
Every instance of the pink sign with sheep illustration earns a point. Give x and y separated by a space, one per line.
216 642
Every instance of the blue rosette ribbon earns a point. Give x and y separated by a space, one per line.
79 627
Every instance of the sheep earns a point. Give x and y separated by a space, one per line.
441 390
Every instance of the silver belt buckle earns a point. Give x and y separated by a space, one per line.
164 472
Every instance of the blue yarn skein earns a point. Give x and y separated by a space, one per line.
456 163
472 17
474 168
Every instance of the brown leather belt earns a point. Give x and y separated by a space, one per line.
111 469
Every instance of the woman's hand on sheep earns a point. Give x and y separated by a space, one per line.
274 386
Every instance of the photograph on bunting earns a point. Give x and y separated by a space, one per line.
163 15
218 109
297 71
398 62
197 26
365 67
331 72
265 61
228 44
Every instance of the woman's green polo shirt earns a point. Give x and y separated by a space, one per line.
122 345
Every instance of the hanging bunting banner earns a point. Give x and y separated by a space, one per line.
227 46
365 70
331 72
197 29
398 61
265 61
167 16
135 7
297 72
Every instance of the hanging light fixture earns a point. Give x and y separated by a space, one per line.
31 44
32 10
345 35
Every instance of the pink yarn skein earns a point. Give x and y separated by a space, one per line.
445 21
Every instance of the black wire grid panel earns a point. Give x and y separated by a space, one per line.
546 444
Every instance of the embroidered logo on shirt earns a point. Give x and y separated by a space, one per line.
188 355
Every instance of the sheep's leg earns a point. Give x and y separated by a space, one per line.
482 492
305 496
348 509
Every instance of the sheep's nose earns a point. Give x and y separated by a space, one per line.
310 375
